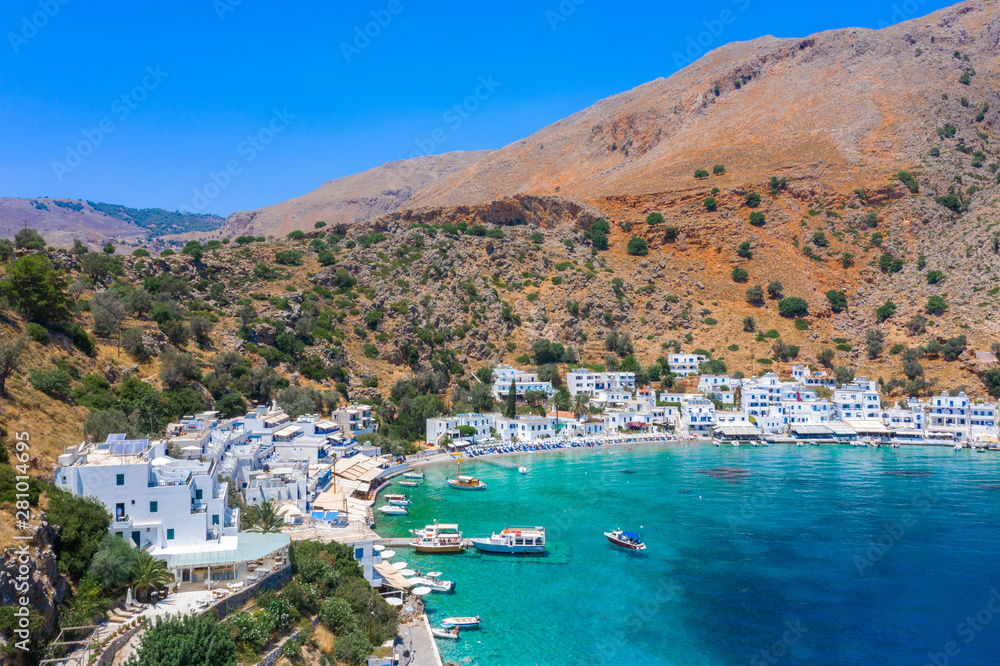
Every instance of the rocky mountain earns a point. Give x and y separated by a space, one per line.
61 221
356 198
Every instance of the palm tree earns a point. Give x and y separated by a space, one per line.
264 518
149 573
580 401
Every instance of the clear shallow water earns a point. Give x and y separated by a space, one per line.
780 562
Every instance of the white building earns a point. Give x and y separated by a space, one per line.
354 420
959 415
526 428
437 428
683 365
503 375
716 383
807 411
582 380
821 379
858 400
698 416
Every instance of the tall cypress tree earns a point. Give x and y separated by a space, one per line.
510 404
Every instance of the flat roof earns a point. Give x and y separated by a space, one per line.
248 546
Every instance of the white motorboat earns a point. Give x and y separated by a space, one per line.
465 622
393 510
627 540
513 540
432 579
413 475
522 470
409 484
397 500
445 633
958 447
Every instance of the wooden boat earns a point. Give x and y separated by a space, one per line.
466 622
627 540
438 538
445 633
467 483
513 540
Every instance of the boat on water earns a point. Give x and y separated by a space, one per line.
397 500
432 579
392 510
438 538
466 622
413 475
628 540
409 484
467 483
445 633
958 447
522 470
513 540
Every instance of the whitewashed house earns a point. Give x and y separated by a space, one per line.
858 400
503 375
683 365
582 380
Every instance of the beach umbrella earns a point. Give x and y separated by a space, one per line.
386 554
128 597
378 548
398 566
421 591
394 601
414 581
407 572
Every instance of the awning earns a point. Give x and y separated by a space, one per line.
810 429
249 546
867 426
737 430
391 577
289 431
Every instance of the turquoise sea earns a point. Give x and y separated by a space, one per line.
778 555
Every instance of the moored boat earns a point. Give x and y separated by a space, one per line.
397 500
432 579
438 538
413 475
409 484
462 621
513 540
467 483
445 633
392 510
623 539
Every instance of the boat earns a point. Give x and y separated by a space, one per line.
392 510
409 484
522 470
397 500
438 538
467 483
445 633
432 579
413 475
513 540
958 447
461 621
628 540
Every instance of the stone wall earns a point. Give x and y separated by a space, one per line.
112 648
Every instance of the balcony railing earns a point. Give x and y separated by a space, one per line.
199 507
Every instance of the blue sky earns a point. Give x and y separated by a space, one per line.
226 105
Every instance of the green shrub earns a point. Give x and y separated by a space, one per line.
637 246
844 347
801 325
793 306
819 239
753 199
773 334
370 350
654 218
700 173
743 250
37 333
909 180
936 305
670 232
537 237
934 277
740 274
950 201
885 311
710 321
718 169
757 218
710 204
54 382
838 300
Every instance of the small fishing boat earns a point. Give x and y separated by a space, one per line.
409 484
466 622
522 470
397 500
958 447
467 483
445 633
628 540
413 475
393 510
513 540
